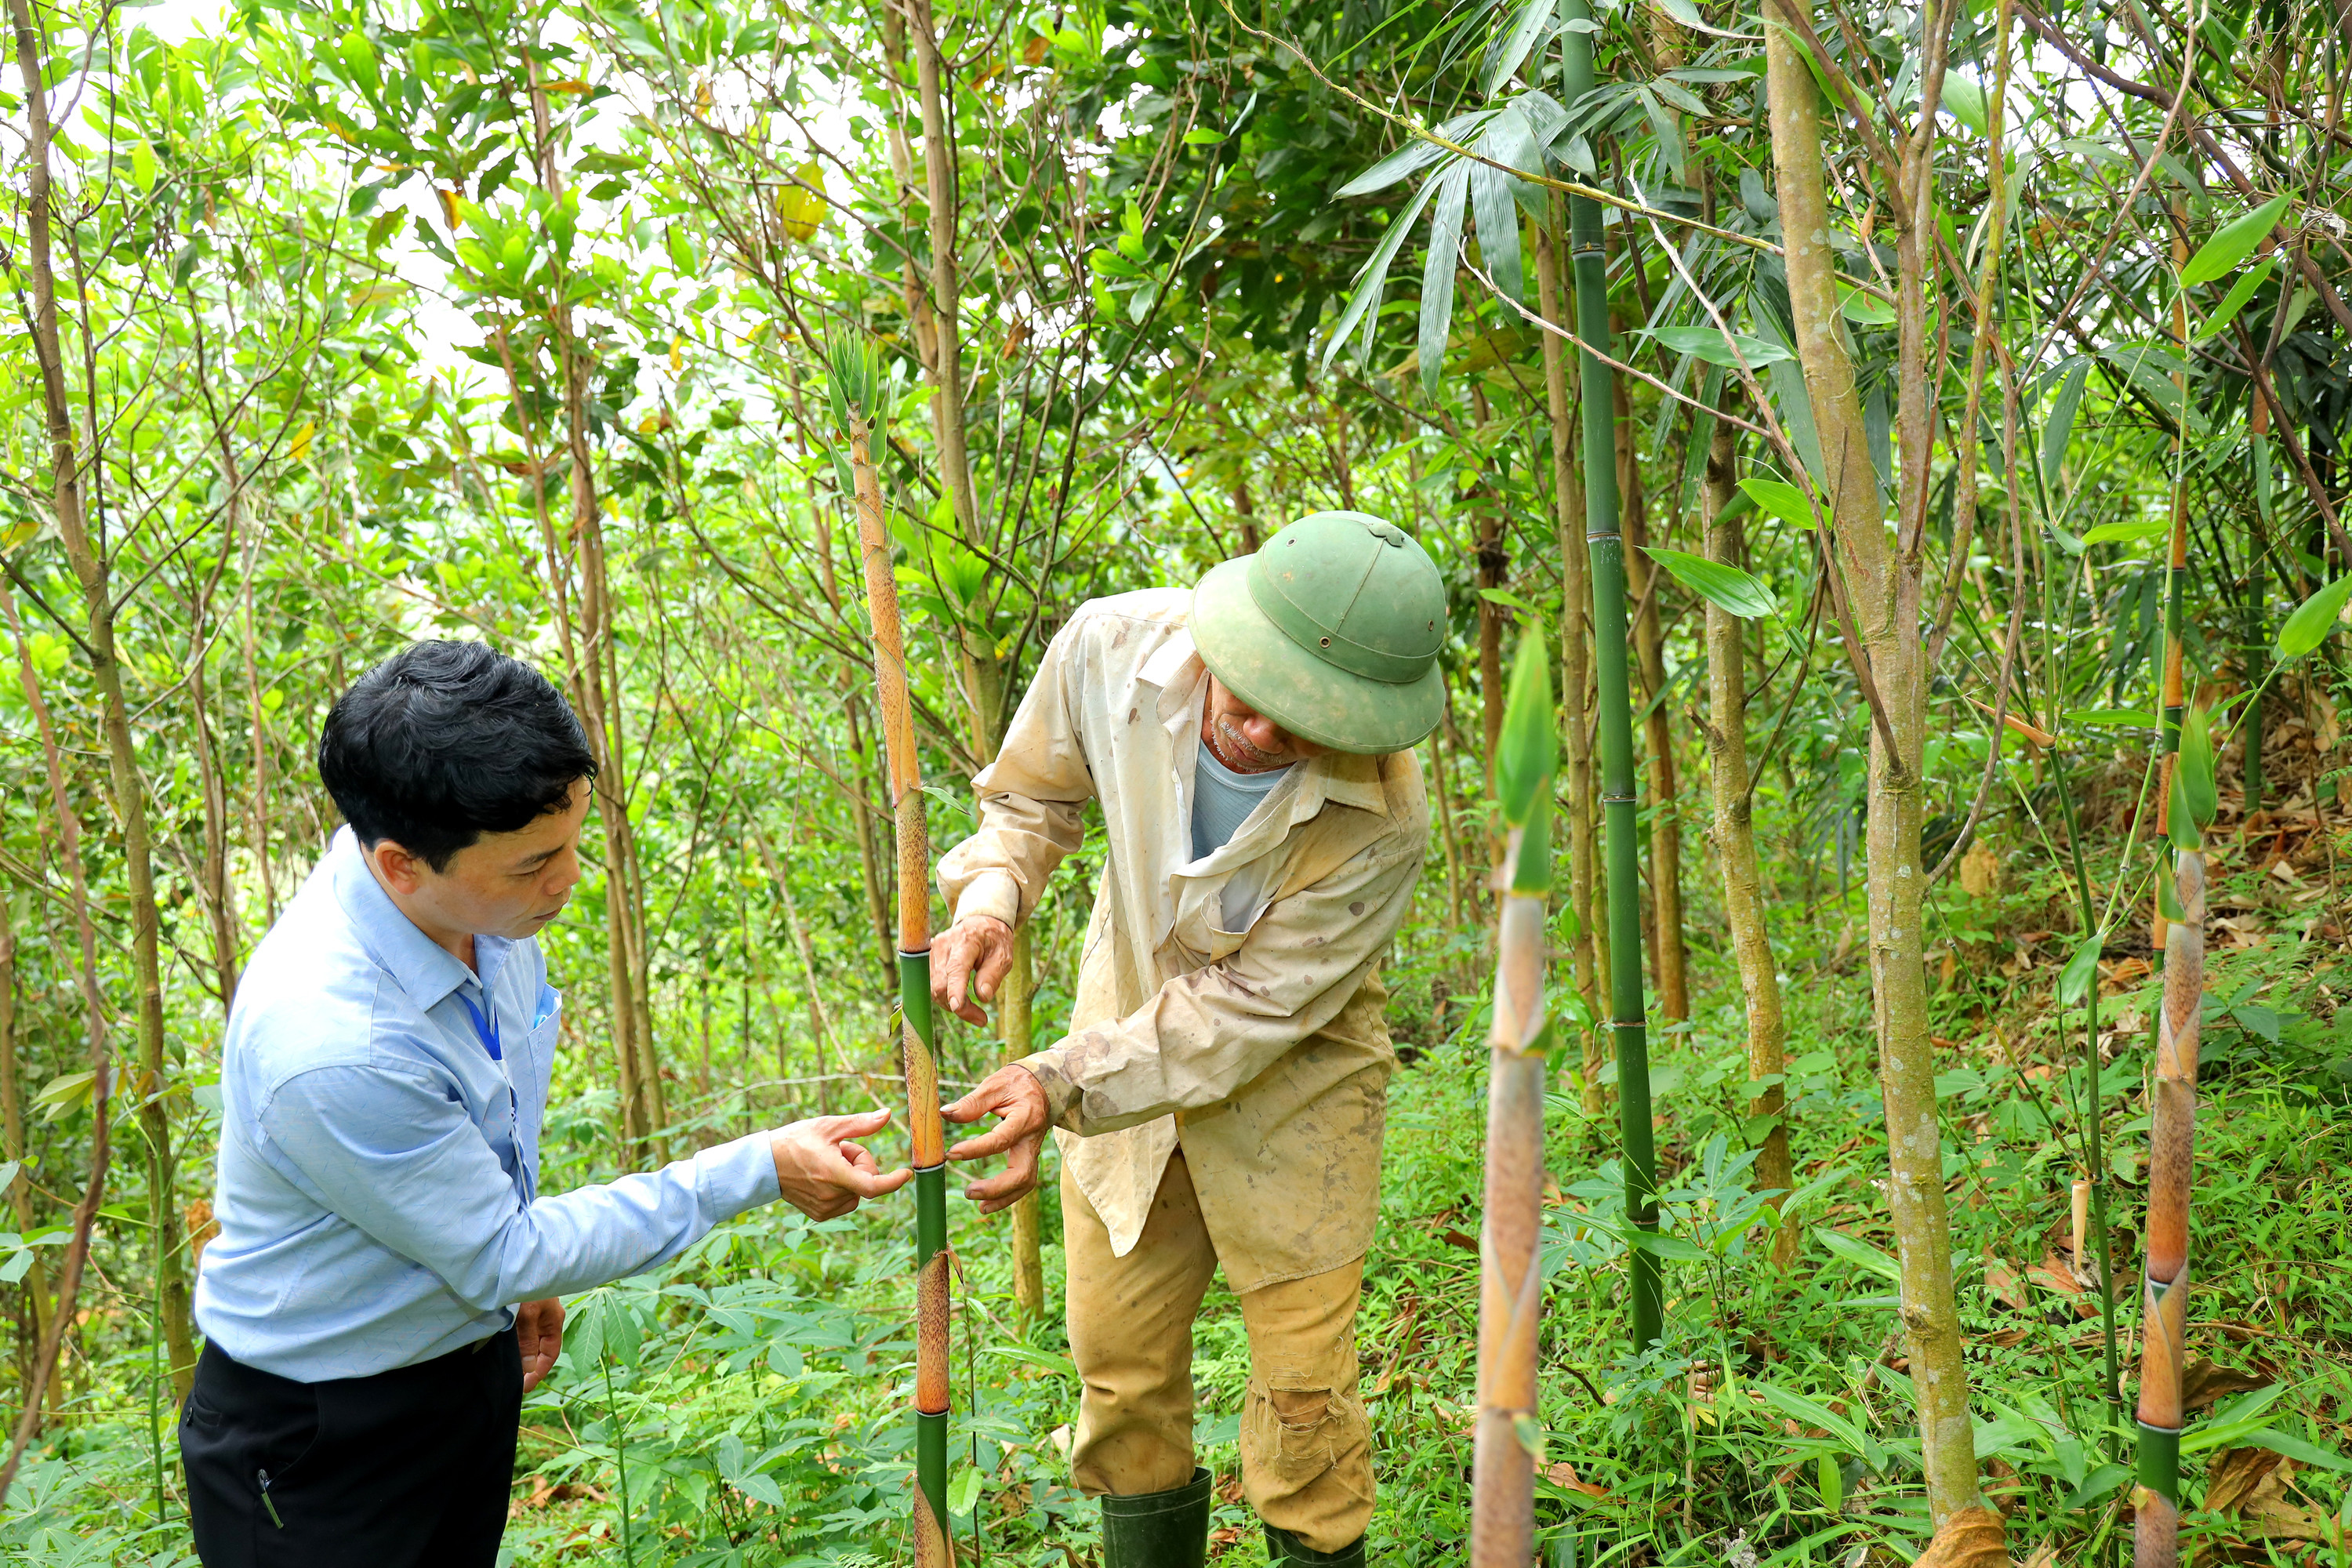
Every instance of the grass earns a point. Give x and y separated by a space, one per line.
749 1402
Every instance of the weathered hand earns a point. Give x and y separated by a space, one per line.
823 1172
539 1332
969 963
1014 1095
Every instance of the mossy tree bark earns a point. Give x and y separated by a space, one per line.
1735 837
1879 590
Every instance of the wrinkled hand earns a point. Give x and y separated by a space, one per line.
539 1332
823 1172
1014 1095
969 963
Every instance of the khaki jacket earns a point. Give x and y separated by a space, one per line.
1231 1004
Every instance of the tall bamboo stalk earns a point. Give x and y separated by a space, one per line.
2172 1144
1575 653
853 378
1735 838
1510 1284
1644 1308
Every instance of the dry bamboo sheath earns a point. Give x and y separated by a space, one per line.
2172 1142
933 1546
1510 1283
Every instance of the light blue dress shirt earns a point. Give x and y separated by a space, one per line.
378 1187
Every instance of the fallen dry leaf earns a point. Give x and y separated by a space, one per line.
1564 1475
1972 1538
1225 1536
2205 1384
2233 1475
2047 1557
2008 1287
1455 1237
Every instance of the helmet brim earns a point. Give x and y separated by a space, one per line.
1313 701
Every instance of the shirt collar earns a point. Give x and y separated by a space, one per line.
422 967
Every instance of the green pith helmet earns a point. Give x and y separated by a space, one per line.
1331 631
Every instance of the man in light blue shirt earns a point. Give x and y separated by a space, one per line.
386 1280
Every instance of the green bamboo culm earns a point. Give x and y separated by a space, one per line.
856 386
1627 1018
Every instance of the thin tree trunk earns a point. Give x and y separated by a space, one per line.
596 689
1013 1019
68 827
90 569
1575 661
1734 840
1883 591
1666 949
984 669
12 1130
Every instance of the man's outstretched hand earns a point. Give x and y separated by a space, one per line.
1014 1095
969 963
538 1334
823 1171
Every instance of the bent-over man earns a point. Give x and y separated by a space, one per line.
1219 1097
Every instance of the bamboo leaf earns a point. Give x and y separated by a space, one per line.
2194 766
1498 229
1719 583
1511 47
1530 741
2241 292
1437 273
1371 280
2074 980
2295 1449
1783 500
2133 532
1715 348
2059 428
1810 1412
1861 1254
2234 242
2313 619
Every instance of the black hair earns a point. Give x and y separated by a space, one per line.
445 742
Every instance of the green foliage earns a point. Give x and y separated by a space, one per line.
1739 591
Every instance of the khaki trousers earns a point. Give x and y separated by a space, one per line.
1307 1457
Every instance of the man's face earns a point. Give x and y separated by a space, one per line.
512 885
1245 740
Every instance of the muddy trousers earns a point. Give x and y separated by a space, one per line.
1307 1457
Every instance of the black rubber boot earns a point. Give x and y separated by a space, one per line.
1282 1547
1159 1529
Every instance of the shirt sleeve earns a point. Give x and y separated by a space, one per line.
1031 797
1204 1035
395 1156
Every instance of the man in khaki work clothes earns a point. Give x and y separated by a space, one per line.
1219 1096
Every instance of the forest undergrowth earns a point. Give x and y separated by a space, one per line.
745 1407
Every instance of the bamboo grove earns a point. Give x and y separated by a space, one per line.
1888 464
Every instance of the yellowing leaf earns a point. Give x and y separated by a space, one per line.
676 358
801 207
299 447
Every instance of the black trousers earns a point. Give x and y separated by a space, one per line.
408 1468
